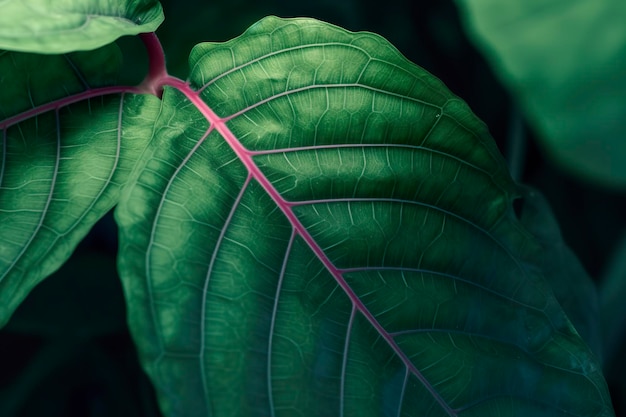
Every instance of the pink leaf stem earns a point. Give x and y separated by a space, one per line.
157 71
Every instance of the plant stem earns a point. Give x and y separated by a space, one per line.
153 83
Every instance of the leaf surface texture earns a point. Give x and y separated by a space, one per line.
62 158
563 61
320 228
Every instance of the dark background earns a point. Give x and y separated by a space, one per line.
67 352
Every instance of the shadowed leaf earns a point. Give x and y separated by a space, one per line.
320 227
62 160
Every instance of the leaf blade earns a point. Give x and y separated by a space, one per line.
66 26
300 219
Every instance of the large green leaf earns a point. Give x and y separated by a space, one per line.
320 227
62 158
564 61
58 26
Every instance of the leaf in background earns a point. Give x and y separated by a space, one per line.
59 26
571 284
565 61
68 305
62 159
321 228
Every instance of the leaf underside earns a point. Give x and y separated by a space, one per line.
60 26
318 227
62 160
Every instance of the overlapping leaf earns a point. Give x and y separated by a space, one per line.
564 61
62 160
321 228
59 26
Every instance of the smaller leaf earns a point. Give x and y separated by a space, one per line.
44 26
68 141
320 227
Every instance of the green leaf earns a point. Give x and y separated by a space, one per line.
59 26
63 159
563 60
320 227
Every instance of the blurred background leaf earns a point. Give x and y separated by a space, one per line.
564 61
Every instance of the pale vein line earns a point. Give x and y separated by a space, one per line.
471 335
417 203
261 58
296 48
273 322
399 201
254 170
205 289
330 86
403 391
66 101
99 194
344 364
369 145
44 212
4 155
77 72
446 275
151 241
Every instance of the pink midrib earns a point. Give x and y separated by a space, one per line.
219 124
66 101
